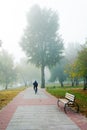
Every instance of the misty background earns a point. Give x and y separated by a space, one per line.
72 28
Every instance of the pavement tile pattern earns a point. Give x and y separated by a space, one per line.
30 111
40 118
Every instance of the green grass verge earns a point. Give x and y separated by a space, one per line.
81 95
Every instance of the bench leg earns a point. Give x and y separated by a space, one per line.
76 107
65 108
64 105
58 102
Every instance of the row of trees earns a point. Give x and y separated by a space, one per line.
73 66
78 68
25 73
14 74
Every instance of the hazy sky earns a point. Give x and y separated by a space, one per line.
72 19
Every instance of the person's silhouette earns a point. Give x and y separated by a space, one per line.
35 84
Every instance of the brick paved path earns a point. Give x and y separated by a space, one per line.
38 112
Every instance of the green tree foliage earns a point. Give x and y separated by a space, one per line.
41 40
57 72
82 63
71 68
7 70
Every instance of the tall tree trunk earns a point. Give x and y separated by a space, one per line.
42 77
61 84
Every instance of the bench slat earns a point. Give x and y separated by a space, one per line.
70 97
63 100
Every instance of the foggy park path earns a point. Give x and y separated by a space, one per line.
30 111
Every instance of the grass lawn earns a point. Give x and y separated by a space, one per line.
7 95
81 95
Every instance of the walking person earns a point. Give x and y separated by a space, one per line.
35 84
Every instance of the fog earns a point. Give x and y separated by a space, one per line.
72 26
72 20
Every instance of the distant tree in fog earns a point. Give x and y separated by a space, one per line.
71 54
41 40
7 70
71 51
27 72
57 72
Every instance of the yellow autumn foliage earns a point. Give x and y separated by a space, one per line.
7 95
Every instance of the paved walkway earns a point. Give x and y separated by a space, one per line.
30 111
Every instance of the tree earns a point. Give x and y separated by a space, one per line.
82 63
57 72
71 54
71 69
7 70
41 40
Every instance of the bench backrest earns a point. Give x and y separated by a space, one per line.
70 97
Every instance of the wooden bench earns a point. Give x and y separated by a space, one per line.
69 101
